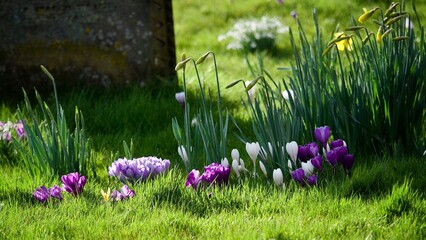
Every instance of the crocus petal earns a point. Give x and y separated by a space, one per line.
308 168
224 162
317 162
236 167
262 167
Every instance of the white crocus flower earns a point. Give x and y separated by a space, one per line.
277 174
253 150
224 162
308 168
236 167
182 153
287 93
235 154
242 165
262 167
292 149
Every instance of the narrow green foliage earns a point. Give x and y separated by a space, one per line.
205 141
373 96
51 149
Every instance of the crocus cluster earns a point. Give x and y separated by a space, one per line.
124 193
214 173
72 183
43 194
138 169
6 129
307 161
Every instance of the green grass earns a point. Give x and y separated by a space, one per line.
374 207
383 199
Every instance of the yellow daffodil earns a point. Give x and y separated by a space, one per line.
106 194
345 43
367 14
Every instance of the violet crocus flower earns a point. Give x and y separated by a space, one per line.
322 134
293 14
41 194
298 175
332 157
307 151
193 179
312 180
20 132
73 183
317 162
116 196
56 192
341 153
123 194
138 169
216 173
337 143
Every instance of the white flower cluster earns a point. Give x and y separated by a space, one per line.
254 34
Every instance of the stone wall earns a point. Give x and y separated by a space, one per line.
85 42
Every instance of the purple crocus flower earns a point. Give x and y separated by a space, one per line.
307 151
293 14
317 162
127 192
298 175
303 153
280 1
322 134
348 161
116 196
73 183
56 192
216 173
123 194
193 179
138 169
341 153
332 157
336 143
312 180
41 194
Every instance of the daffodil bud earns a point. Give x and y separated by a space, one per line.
367 15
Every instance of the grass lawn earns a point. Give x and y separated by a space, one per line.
384 198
